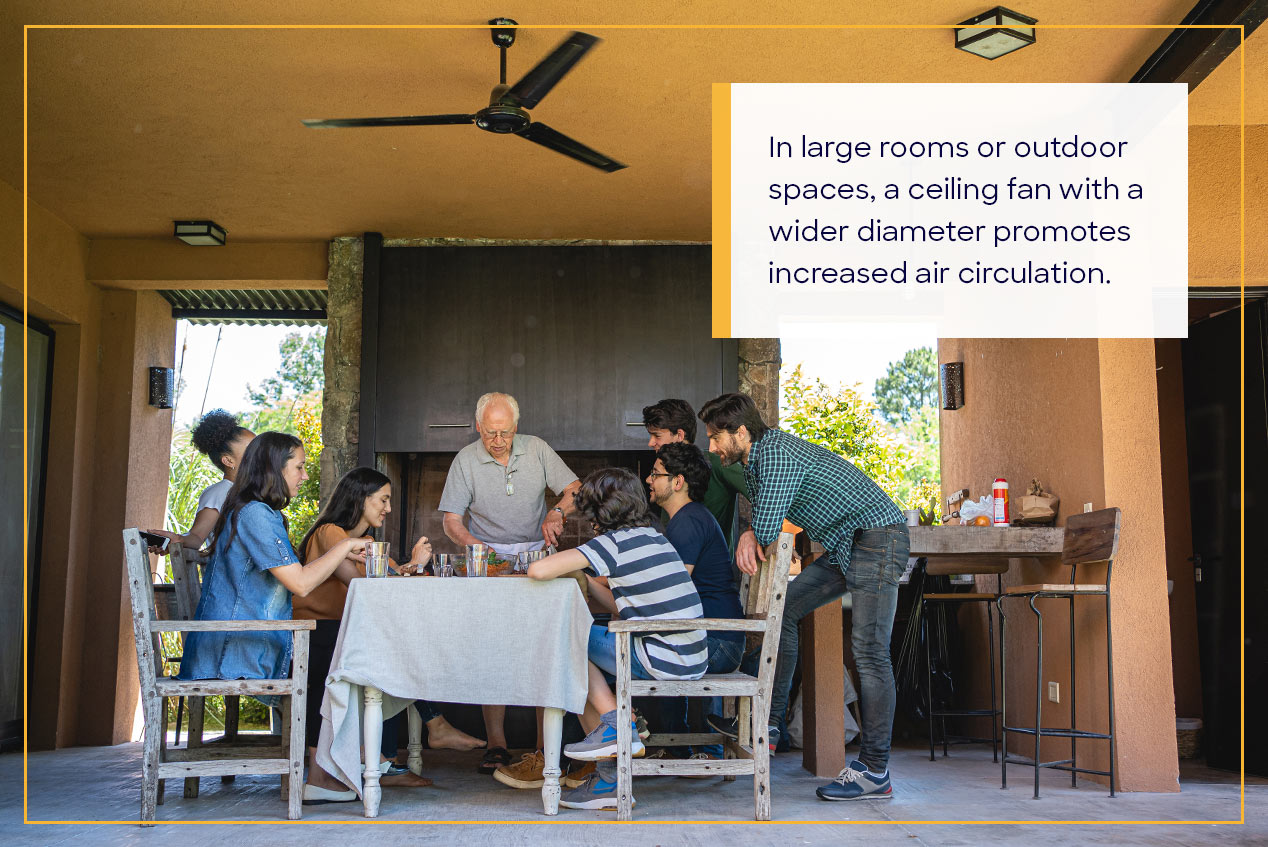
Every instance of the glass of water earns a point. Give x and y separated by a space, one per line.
477 559
376 557
442 564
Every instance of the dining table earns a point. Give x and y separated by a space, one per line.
822 639
494 640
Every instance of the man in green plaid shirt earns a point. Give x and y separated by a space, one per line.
867 544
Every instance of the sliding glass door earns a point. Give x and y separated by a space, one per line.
21 436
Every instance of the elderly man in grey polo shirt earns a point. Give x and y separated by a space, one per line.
500 481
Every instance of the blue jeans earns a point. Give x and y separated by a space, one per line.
601 651
878 559
687 714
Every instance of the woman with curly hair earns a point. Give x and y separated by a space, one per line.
220 438
646 581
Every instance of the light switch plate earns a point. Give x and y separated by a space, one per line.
1054 692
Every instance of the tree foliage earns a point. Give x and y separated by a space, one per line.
908 385
300 373
902 460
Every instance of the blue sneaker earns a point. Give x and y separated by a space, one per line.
601 743
856 782
597 792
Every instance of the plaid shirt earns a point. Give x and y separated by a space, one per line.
814 488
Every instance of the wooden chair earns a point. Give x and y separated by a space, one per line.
160 762
1090 538
764 614
187 568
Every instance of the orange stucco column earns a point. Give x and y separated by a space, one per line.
1144 698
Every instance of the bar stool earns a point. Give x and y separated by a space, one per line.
1089 538
937 567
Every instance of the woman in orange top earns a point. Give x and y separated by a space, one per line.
361 502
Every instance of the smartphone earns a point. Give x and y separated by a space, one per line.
152 540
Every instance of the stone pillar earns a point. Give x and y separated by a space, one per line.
759 375
341 398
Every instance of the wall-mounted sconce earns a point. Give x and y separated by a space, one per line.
162 387
200 233
952 375
995 33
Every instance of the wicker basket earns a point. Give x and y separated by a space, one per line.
1189 737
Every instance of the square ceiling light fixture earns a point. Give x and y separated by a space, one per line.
200 233
995 33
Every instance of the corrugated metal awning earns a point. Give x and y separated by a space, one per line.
291 306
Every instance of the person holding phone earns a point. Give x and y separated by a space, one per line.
254 569
220 438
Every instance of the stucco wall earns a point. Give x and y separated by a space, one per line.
1214 200
1081 415
107 469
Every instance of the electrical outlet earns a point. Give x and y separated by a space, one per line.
1087 507
1054 692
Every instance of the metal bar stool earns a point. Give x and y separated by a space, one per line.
938 567
1089 538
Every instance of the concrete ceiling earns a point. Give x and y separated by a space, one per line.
130 129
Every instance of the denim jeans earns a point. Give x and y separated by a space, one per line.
601 651
878 559
687 714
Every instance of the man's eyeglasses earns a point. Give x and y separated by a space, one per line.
499 436
650 475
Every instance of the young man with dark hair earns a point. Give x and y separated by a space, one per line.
678 482
671 421
867 543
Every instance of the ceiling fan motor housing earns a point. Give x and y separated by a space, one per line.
502 118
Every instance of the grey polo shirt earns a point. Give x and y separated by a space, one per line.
477 485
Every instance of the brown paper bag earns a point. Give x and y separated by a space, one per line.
1037 506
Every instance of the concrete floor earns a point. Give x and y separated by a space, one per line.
103 783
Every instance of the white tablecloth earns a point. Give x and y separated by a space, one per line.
497 640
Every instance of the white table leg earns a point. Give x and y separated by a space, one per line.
415 721
552 732
372 738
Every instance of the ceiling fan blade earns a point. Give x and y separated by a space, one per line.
560 143
405 120
538 82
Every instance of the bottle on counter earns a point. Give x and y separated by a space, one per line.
1001 502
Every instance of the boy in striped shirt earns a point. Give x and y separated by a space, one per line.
646 580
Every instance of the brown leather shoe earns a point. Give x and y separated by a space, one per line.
526 773
576 777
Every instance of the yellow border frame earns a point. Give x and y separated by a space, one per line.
721 294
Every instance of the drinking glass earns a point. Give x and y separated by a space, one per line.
442 564
477 559
376 555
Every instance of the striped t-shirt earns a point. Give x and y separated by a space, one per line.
649 581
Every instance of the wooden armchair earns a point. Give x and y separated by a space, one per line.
161 763
763 596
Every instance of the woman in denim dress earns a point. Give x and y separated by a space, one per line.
254 570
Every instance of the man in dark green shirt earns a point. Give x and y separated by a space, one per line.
672 420
867 544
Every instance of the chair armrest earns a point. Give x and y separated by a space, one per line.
230 626
677 625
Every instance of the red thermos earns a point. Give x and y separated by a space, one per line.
1001 502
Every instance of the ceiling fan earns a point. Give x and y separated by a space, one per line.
508 107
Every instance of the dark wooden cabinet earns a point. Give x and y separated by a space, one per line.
583 337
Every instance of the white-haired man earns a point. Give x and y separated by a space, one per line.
500 483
